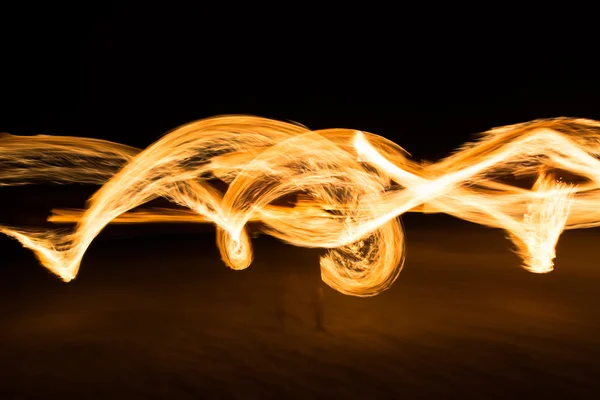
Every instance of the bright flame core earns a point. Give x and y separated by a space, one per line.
353 186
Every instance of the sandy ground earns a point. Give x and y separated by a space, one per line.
161 317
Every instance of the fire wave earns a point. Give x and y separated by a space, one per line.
352 188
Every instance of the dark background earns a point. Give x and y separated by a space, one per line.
160 317
131 71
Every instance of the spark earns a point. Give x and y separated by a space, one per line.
350 187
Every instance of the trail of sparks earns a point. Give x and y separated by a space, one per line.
351 187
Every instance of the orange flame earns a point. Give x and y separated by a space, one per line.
354 186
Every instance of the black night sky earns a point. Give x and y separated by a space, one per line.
129 73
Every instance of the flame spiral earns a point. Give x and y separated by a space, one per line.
351 186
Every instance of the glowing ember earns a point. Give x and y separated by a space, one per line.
352 187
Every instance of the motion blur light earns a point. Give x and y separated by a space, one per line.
354 187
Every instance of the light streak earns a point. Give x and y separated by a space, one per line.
351 188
